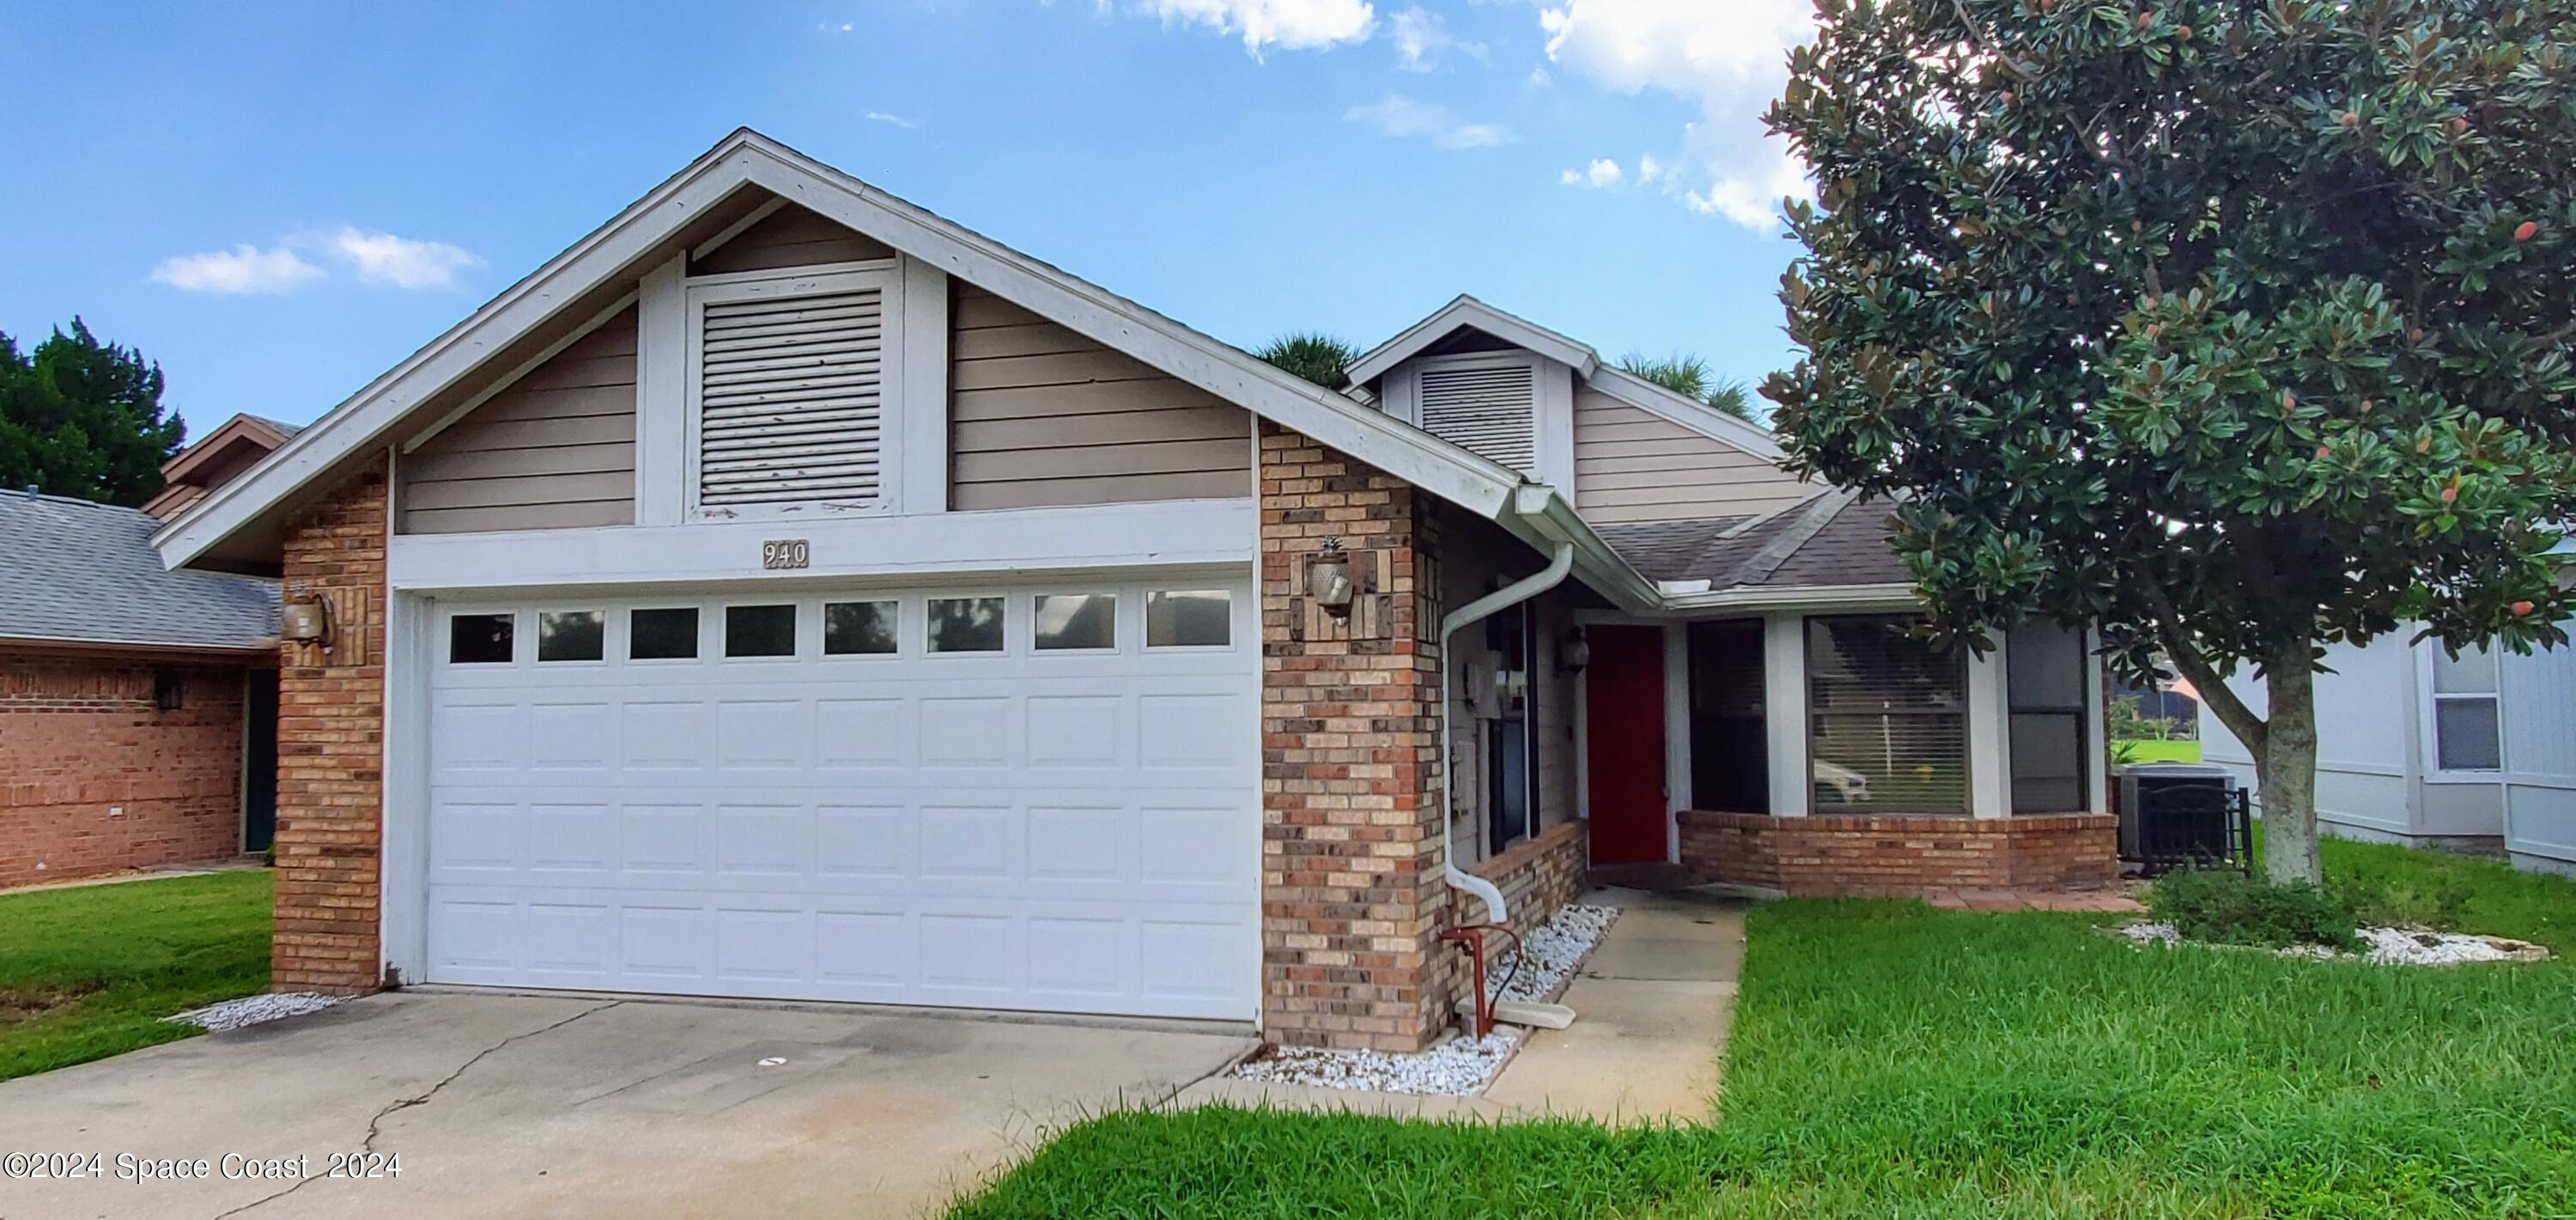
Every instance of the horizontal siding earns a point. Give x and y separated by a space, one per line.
790 237
1039 415
556 450
1631 466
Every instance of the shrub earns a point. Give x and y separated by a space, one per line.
2229 908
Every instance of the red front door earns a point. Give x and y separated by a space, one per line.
1624 743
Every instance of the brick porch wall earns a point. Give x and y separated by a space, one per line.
1837 855
330 748
1352 897
80 737
1536 875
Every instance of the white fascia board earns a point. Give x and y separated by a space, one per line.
1171 533
1697 416
370 416
1821 599
1236 376
1468 311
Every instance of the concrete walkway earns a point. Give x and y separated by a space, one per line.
1653 1005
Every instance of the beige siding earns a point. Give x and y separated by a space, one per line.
1042 416
556 450
790 237
1631 465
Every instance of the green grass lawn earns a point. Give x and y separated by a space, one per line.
2156 751
1893 1060
89 972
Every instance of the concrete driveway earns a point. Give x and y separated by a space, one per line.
524 1106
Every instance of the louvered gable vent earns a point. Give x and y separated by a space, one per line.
791 399
1489 411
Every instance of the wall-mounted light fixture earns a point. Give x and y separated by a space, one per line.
1573 652
305 619
1328 579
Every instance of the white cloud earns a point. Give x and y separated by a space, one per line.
1405 118
243 269
1294 25
1649 169
890 120
404 262
1421 38
1730 57
829 28
1601 173
1540 78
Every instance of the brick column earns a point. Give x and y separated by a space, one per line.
330 748
1352 897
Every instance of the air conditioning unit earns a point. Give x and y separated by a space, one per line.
2172 811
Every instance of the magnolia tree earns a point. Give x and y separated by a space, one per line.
2237 328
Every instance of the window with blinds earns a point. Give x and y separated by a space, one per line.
791 396
1887 726
1489 410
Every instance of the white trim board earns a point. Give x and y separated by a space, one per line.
1467 311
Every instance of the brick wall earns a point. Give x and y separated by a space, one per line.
95 777
1871 856
330 748
1352 894
1536 875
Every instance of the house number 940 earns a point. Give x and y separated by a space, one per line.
783 553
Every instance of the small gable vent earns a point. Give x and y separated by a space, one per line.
1487 410
791 399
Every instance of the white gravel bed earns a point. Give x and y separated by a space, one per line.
1459 1067
255 1009
2385 946
1554 950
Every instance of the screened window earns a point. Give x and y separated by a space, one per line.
760 631
966 624
571 635
668 633
2467 733
1730 738
2044 675
480 639
1886 719
1189 618
1077 620
858 628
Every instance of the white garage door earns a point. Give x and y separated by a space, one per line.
1034 798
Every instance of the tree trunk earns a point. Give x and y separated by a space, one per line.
2286 767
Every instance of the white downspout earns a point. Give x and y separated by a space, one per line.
1474 611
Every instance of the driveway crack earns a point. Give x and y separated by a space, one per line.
375 1124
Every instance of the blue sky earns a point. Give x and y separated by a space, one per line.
279 202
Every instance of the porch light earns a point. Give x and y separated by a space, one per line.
1573 653
1328 579
305 620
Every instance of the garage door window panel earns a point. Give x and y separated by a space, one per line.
571 635
760 631
662 633
481 639
1076 622
1189 618
860 629
966 624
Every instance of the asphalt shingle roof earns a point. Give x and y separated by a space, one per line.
1832 538
73 570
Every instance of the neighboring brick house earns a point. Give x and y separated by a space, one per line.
787 593
137 704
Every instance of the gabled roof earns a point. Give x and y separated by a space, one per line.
1833 539
78 573
1469 314
749 160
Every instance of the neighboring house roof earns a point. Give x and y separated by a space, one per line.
1833 539
234 446
74 572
